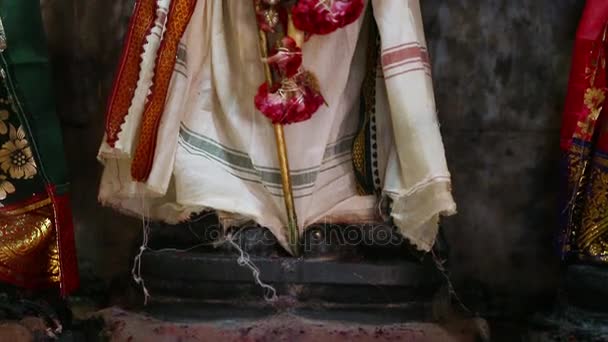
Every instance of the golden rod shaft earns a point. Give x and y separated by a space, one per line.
292 219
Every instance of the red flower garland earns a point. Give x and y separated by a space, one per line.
287 58
325 16
297 97
294 100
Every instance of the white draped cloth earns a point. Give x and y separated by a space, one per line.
217 152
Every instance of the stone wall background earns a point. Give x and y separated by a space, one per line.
500 69
85 40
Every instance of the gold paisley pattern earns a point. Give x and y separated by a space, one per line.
16 156
586 226
592 236
588 182
29 245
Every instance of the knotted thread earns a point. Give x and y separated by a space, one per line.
243 260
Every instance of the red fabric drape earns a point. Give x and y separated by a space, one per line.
584 141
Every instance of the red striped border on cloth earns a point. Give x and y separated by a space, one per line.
405 58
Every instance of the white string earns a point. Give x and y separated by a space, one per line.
328 6
439 263
244 260
136 270
380 205
270 294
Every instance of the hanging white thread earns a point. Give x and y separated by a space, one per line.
136 270
452 292
270 294
244 260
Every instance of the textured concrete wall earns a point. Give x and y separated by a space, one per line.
500 71
85 39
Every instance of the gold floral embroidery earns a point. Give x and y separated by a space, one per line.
16 156
584 128
594 97
3 117
6 187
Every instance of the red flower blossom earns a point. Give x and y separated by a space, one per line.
325 16
287 58
269 102
295 100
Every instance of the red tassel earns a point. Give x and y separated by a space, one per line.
287 58
294 101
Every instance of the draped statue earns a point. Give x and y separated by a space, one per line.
334 122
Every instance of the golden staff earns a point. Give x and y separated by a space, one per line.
292 219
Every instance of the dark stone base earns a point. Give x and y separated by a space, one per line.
586 287
339 264
367 284
581 313
568 324
220 277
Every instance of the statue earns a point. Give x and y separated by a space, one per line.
286 114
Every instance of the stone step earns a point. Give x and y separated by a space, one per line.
128 326
217 276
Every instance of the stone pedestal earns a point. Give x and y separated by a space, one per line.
362 265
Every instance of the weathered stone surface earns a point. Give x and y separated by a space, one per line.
85 39
15 332
124 326
567 324
500 70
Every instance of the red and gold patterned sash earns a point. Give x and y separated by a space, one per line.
126 79
180 13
